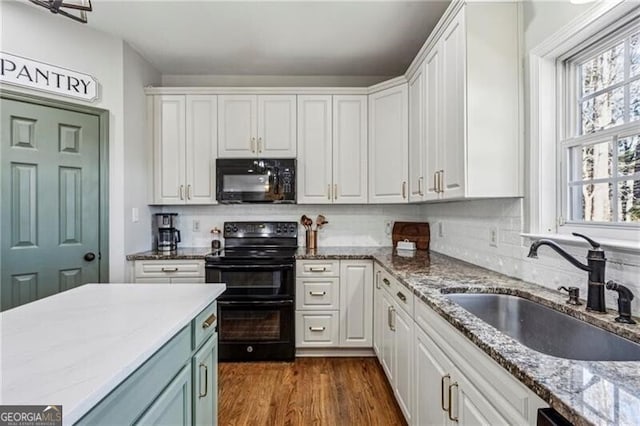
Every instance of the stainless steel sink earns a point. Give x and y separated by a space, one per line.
545 330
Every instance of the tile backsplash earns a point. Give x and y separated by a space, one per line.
466 234
349 225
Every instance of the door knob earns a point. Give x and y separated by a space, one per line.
89 257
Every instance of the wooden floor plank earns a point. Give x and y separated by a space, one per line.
309 391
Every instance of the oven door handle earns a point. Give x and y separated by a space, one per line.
250 267
255 303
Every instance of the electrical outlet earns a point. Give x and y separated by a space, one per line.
196 225
387 227
493 236
440 230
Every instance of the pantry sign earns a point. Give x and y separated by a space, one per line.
48 78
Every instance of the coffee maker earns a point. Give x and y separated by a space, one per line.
166 235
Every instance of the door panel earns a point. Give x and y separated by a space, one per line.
416 135
350 162
356 309
201 148
432 112
388 146
454 125
237 126
277 126
314 149
50 201
169 149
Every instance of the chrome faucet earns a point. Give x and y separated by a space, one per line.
596 263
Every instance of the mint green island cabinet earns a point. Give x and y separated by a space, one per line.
151 359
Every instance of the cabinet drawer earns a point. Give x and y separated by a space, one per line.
318 268
169 268
317 293
317 329
400 294
204 324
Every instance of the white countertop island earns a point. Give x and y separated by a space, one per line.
73 348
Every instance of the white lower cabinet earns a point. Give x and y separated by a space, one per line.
334 304
456 383
167 271
394 337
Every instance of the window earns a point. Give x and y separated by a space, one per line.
601 144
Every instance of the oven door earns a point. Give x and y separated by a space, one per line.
253 281
250 331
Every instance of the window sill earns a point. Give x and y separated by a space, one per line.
616 245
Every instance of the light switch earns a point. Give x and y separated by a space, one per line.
135 215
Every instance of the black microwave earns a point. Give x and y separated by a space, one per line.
246 180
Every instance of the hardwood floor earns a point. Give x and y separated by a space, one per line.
309 391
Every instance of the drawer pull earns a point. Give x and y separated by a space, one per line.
206 381
209 321
387 282
402 297
317 328
169 269
312 269
453 419
317 293
446 376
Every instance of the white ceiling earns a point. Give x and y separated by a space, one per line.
307 38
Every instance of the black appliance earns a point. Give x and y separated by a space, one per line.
256 312
267 180
165 234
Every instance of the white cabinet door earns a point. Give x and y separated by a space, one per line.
470 407
378 315
276 126
432 114
350 149
387 346
169 149
388 146
403 326
417 118
237 121
314 150
432 374
356 307
453 108
201 149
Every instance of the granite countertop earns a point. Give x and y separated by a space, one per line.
585 392
183 253
75 347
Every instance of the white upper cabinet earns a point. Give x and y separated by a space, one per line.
417 148
257 126
184 148
472 142
388 145
452 181
431 117
237 121
201 149
350 149
332 149
314 175
276 126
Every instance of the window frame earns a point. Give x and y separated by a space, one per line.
570 132
543 206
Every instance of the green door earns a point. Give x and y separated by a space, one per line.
49 201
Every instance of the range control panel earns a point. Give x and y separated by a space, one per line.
260 229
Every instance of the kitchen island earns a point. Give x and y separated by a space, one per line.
106 352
